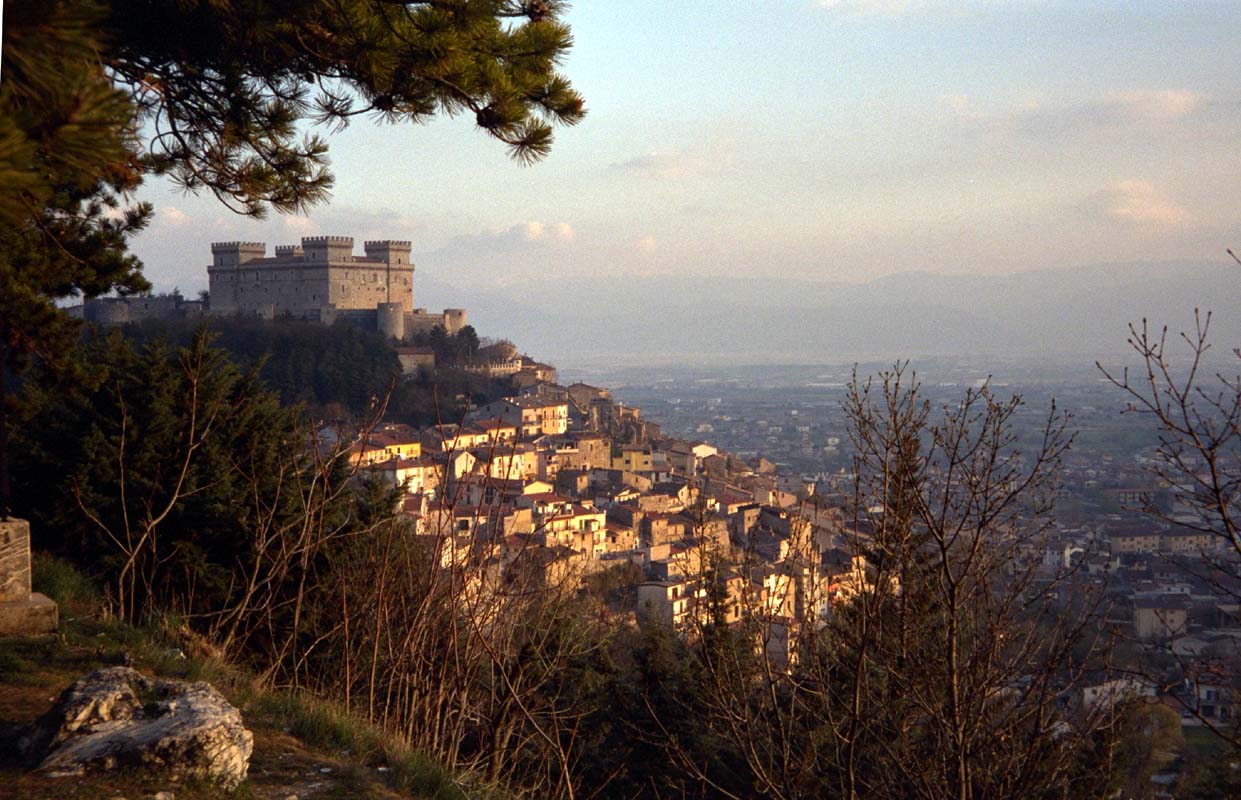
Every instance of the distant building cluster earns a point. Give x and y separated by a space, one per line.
320 280
554 484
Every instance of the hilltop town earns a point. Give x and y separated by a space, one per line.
569 488
569 483
738 515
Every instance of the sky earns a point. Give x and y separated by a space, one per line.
820 140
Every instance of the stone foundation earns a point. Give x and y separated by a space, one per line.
21 611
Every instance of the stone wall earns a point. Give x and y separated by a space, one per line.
21 612
323 280
300 280
14 561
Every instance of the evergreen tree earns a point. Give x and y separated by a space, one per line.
67 152
146 465
223 87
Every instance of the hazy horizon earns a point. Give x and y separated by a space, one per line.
826 141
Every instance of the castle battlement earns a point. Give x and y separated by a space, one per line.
321 279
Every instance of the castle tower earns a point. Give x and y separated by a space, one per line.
390 320
223 276
390 251
454 320
327 249
393 253
234 254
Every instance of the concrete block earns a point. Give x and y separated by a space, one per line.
36 614
14 560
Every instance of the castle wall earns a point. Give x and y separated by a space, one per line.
367 285
294 289
420 320
116 311
322 280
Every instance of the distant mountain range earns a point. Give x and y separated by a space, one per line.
1072 312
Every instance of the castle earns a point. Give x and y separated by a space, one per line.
323 280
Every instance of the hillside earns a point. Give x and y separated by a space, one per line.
302 748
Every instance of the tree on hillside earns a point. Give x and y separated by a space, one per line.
67 153
222 91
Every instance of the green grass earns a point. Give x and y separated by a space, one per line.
420 776
329 728
320 725
24 660
63 582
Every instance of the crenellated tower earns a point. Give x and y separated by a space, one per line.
322 279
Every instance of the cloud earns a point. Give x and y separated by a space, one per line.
1058 119
708 158
360 223
173 216
299 226
522 237
1138 202
1158 105
662 164
535 231
1113 110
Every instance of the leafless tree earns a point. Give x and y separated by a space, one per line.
1193 400
944 664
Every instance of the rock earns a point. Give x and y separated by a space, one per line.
117 717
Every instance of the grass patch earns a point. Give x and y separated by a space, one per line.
63 582
23 660
329 728
416 774
320 725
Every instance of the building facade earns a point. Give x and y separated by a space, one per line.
322 279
